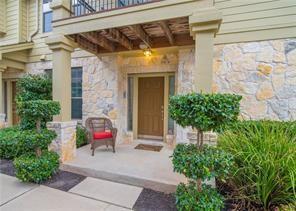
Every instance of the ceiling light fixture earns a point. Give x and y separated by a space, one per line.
146 50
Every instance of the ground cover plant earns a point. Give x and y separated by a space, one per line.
199 162
33 162
265 163
81 136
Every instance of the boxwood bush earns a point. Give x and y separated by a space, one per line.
81 136
265 162
31 168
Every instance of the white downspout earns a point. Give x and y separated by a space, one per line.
37 22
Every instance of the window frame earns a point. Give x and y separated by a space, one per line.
46 10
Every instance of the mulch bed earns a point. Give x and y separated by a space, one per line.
150 200
148 147
6 167
62 180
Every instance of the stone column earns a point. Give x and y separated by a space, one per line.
204 25
61 46
65 143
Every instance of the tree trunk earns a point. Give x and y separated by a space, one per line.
38 152
201 140
197 139
38 125
199 185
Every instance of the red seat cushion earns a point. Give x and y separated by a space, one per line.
102 135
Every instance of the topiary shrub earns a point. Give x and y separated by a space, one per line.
265 163
32 168
34 106
31 88
81 136
202 112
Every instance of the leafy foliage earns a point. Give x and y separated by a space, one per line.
34 87
9 139
265 161
31 88
31 139
188 198
15 142
204 112
30 168
205 164
81 136
38 109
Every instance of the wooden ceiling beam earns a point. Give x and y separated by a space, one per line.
166 29
119 37
85 44
141 34
100 40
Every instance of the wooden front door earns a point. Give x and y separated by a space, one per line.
150 107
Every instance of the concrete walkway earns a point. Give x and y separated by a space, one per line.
89 195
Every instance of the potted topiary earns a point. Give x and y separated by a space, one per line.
200 162
35 108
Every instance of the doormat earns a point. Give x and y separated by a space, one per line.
148 147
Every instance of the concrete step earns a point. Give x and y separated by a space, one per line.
120 178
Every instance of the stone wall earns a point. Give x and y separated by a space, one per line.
264 73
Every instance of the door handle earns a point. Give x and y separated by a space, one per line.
162 112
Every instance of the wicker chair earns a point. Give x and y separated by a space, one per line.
100 132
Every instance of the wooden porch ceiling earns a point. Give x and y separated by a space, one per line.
173 32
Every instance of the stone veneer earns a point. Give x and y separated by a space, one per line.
263 73
65 142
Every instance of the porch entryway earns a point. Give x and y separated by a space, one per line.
148 169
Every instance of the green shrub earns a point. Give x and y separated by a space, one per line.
188 198
205 164
265 161
30 168
9 139
31 139
30 88
15 142
34 87
38 110
202 112
81 136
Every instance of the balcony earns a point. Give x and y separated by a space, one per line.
106 26
85 7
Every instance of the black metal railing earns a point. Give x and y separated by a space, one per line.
83 7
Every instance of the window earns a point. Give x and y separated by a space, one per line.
171 93
76 76
130 96
47 16
76 91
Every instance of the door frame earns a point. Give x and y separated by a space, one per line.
136 77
